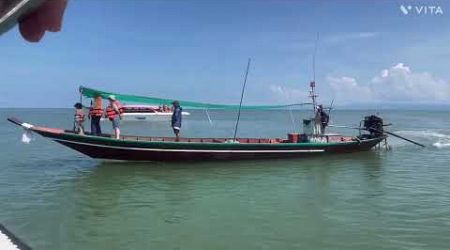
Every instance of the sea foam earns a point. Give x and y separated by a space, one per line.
443 140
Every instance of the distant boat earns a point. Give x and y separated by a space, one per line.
148 113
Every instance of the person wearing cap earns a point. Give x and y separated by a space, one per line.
114 114
176 119
79 118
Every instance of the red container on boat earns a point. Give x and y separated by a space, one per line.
294 137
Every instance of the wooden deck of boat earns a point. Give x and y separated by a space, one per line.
326 138
205 140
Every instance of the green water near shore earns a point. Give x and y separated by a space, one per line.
55 198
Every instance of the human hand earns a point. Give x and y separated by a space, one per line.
47 17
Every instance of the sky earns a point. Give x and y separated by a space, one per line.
367 52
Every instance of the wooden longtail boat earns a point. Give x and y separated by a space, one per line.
142 148
312 142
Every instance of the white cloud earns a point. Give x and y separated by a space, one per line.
288 95
396 84
384 73
346 88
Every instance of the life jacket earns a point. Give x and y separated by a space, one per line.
111 113
79 115
96 110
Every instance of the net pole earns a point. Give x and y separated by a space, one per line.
242 97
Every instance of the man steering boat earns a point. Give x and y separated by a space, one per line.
322 118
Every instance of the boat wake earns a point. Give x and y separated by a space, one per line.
436 139
441 145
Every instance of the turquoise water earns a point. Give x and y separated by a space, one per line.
55 198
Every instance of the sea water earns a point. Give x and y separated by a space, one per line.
55 198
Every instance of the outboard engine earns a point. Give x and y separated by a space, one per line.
374 125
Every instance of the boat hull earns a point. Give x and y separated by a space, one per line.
134 148
106 148
126 154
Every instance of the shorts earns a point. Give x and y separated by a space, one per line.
79 127
176 130
116 122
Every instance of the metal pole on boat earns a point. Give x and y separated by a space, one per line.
314 56
316 130
242 97
313 83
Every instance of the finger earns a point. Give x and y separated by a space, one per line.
51 14
47 17
31 28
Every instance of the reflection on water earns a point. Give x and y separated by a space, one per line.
197 205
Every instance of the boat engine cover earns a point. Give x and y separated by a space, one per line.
374 124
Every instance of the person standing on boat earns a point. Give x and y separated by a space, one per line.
79 118
176 119
114 113
95 114
323 118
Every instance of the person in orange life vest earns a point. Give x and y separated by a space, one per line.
114 113
95 114
79 118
